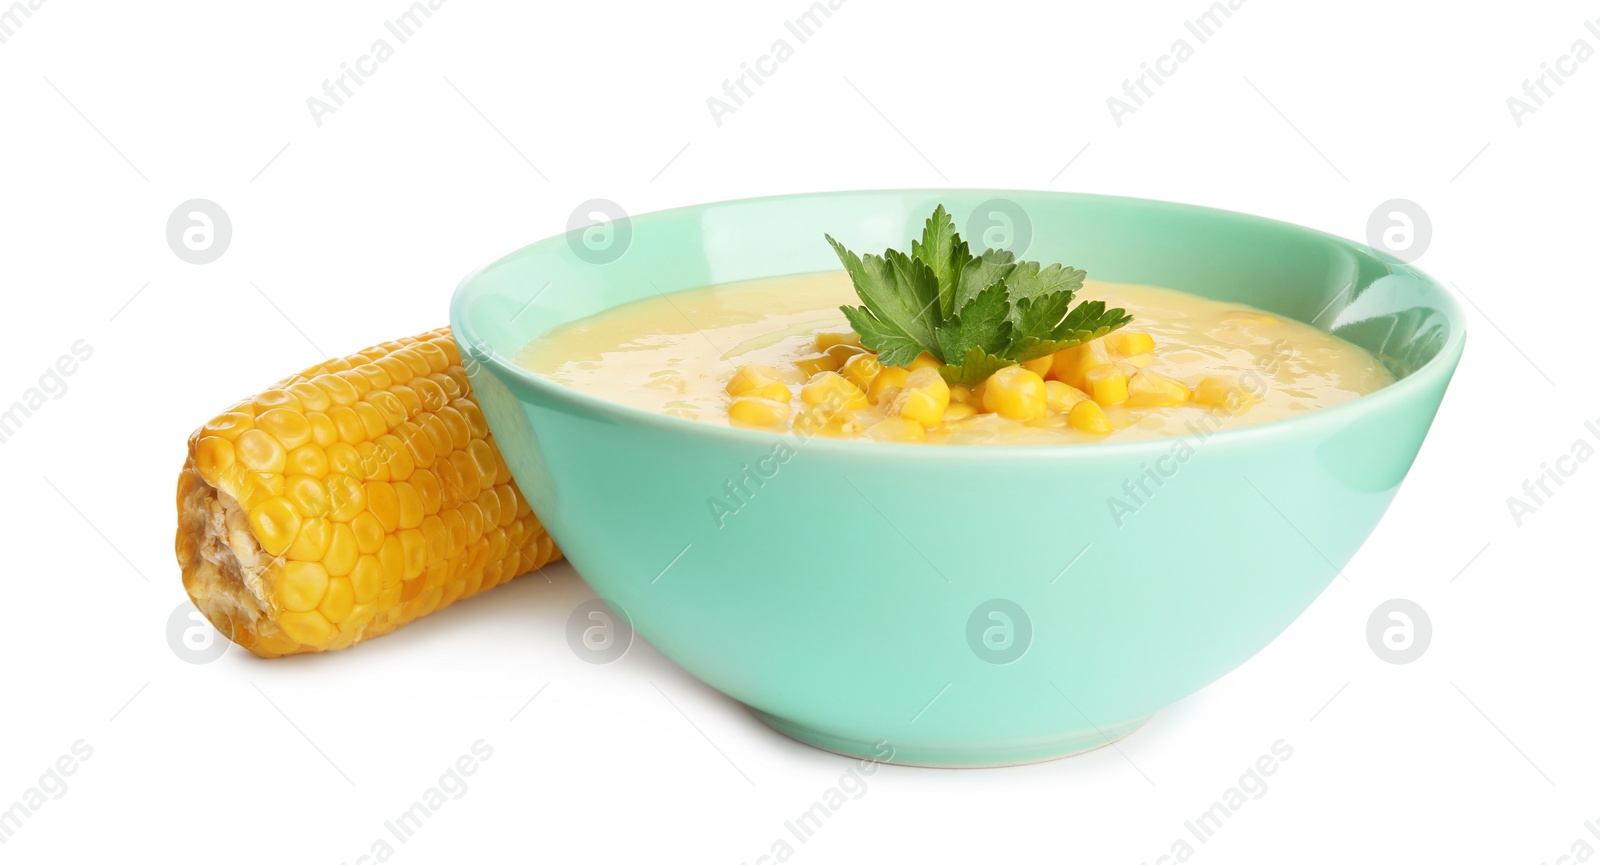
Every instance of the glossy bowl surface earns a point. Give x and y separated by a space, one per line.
955 605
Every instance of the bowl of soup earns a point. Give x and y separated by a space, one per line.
893 567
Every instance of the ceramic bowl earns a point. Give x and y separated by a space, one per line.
958 605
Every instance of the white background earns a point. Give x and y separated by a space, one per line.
483 133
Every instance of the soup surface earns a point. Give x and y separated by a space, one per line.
1212 366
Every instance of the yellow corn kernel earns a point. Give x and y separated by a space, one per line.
229 425
1088 417
411 507
746 378
1213 390
1060 396
258 451
1146 382
897 429
276 523
861 370
832 390
1106 385
1071 364
301 511
307 459
962 393
339 600
888 378
812 364
1040 366
827 339
1016 393
366 580
309 628
759 411
276 397
843 352
824 419
300 586
927 377
924 361
347 498
368 531
921 405
342 553
1218 391
307 494
958 411
311 545
213 457
923 398
1130 342
288 426
775 392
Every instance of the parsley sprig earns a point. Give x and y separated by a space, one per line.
976 313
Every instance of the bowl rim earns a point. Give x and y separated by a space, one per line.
1440 366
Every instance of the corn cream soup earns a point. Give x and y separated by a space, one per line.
778 354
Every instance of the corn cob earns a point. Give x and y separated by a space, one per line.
348 500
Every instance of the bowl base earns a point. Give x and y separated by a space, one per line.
952 757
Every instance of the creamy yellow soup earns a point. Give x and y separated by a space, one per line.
677 355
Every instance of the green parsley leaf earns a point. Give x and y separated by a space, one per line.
1036 317
975 314
902 299
982 272
894 346
981 324
945 253
1028 279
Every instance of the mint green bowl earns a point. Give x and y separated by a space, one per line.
959 605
